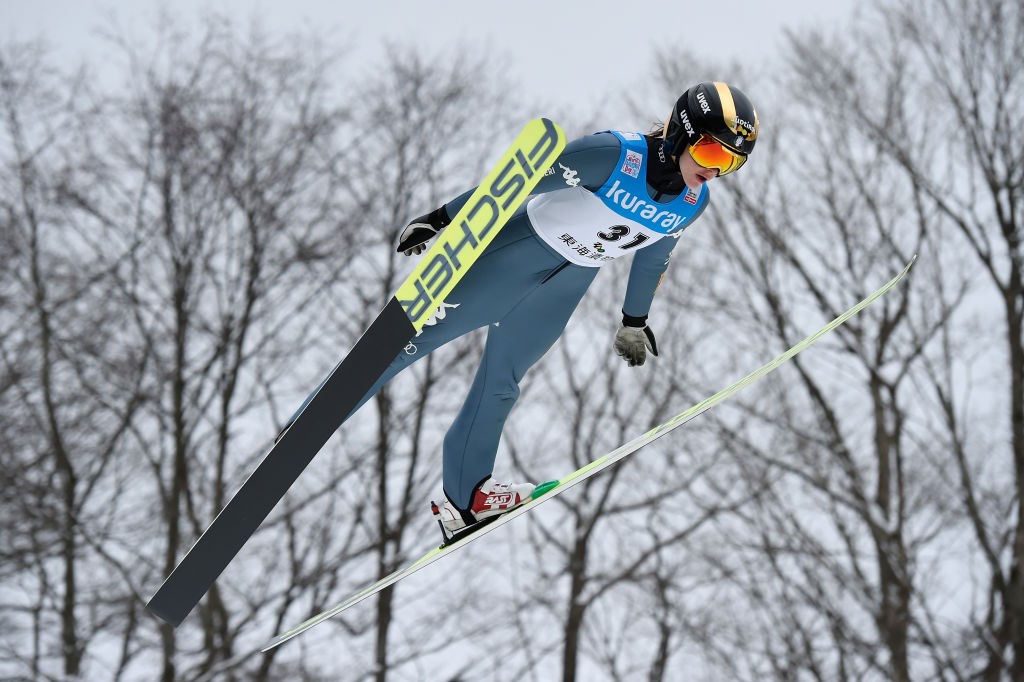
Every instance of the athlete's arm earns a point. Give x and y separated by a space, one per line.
648 267
585 162
649 264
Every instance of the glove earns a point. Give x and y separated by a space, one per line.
633 340
417 233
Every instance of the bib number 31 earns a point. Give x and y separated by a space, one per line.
617 232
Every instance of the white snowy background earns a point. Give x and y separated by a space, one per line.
197 202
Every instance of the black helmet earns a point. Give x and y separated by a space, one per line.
716 110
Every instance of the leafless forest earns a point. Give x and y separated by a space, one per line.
190 245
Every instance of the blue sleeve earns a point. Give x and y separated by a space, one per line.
649 265
586 161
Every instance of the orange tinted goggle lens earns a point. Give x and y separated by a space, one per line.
710 153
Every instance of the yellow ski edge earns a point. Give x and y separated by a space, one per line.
478 222
552 488
732 389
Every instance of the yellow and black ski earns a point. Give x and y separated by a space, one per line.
471 230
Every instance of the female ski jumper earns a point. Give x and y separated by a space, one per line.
606 196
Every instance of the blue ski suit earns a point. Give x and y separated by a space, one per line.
607 195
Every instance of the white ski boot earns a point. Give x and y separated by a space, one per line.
490 499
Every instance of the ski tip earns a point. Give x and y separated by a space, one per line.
271 644
543 489
159 608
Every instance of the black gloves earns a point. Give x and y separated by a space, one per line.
417 233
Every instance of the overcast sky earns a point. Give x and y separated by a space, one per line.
577 49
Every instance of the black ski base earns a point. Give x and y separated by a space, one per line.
292 452
449 538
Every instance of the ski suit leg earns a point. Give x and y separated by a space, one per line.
511 267
520 338
430 339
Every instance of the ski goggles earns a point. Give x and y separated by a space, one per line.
710 153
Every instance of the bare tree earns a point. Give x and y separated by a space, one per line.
426 128
212 191
602 578
957 67
71 382
190 250
230 154
968 64
861 466
188 256
840 459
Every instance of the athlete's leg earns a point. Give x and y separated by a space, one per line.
428 340
510 266
514 344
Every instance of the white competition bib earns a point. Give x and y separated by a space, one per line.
590 228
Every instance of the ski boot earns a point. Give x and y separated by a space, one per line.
489 501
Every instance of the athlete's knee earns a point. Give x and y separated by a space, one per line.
506 389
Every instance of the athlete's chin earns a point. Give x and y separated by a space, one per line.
694 182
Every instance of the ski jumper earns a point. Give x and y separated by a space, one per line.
608 195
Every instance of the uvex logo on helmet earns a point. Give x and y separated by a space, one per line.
703 101
685 120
